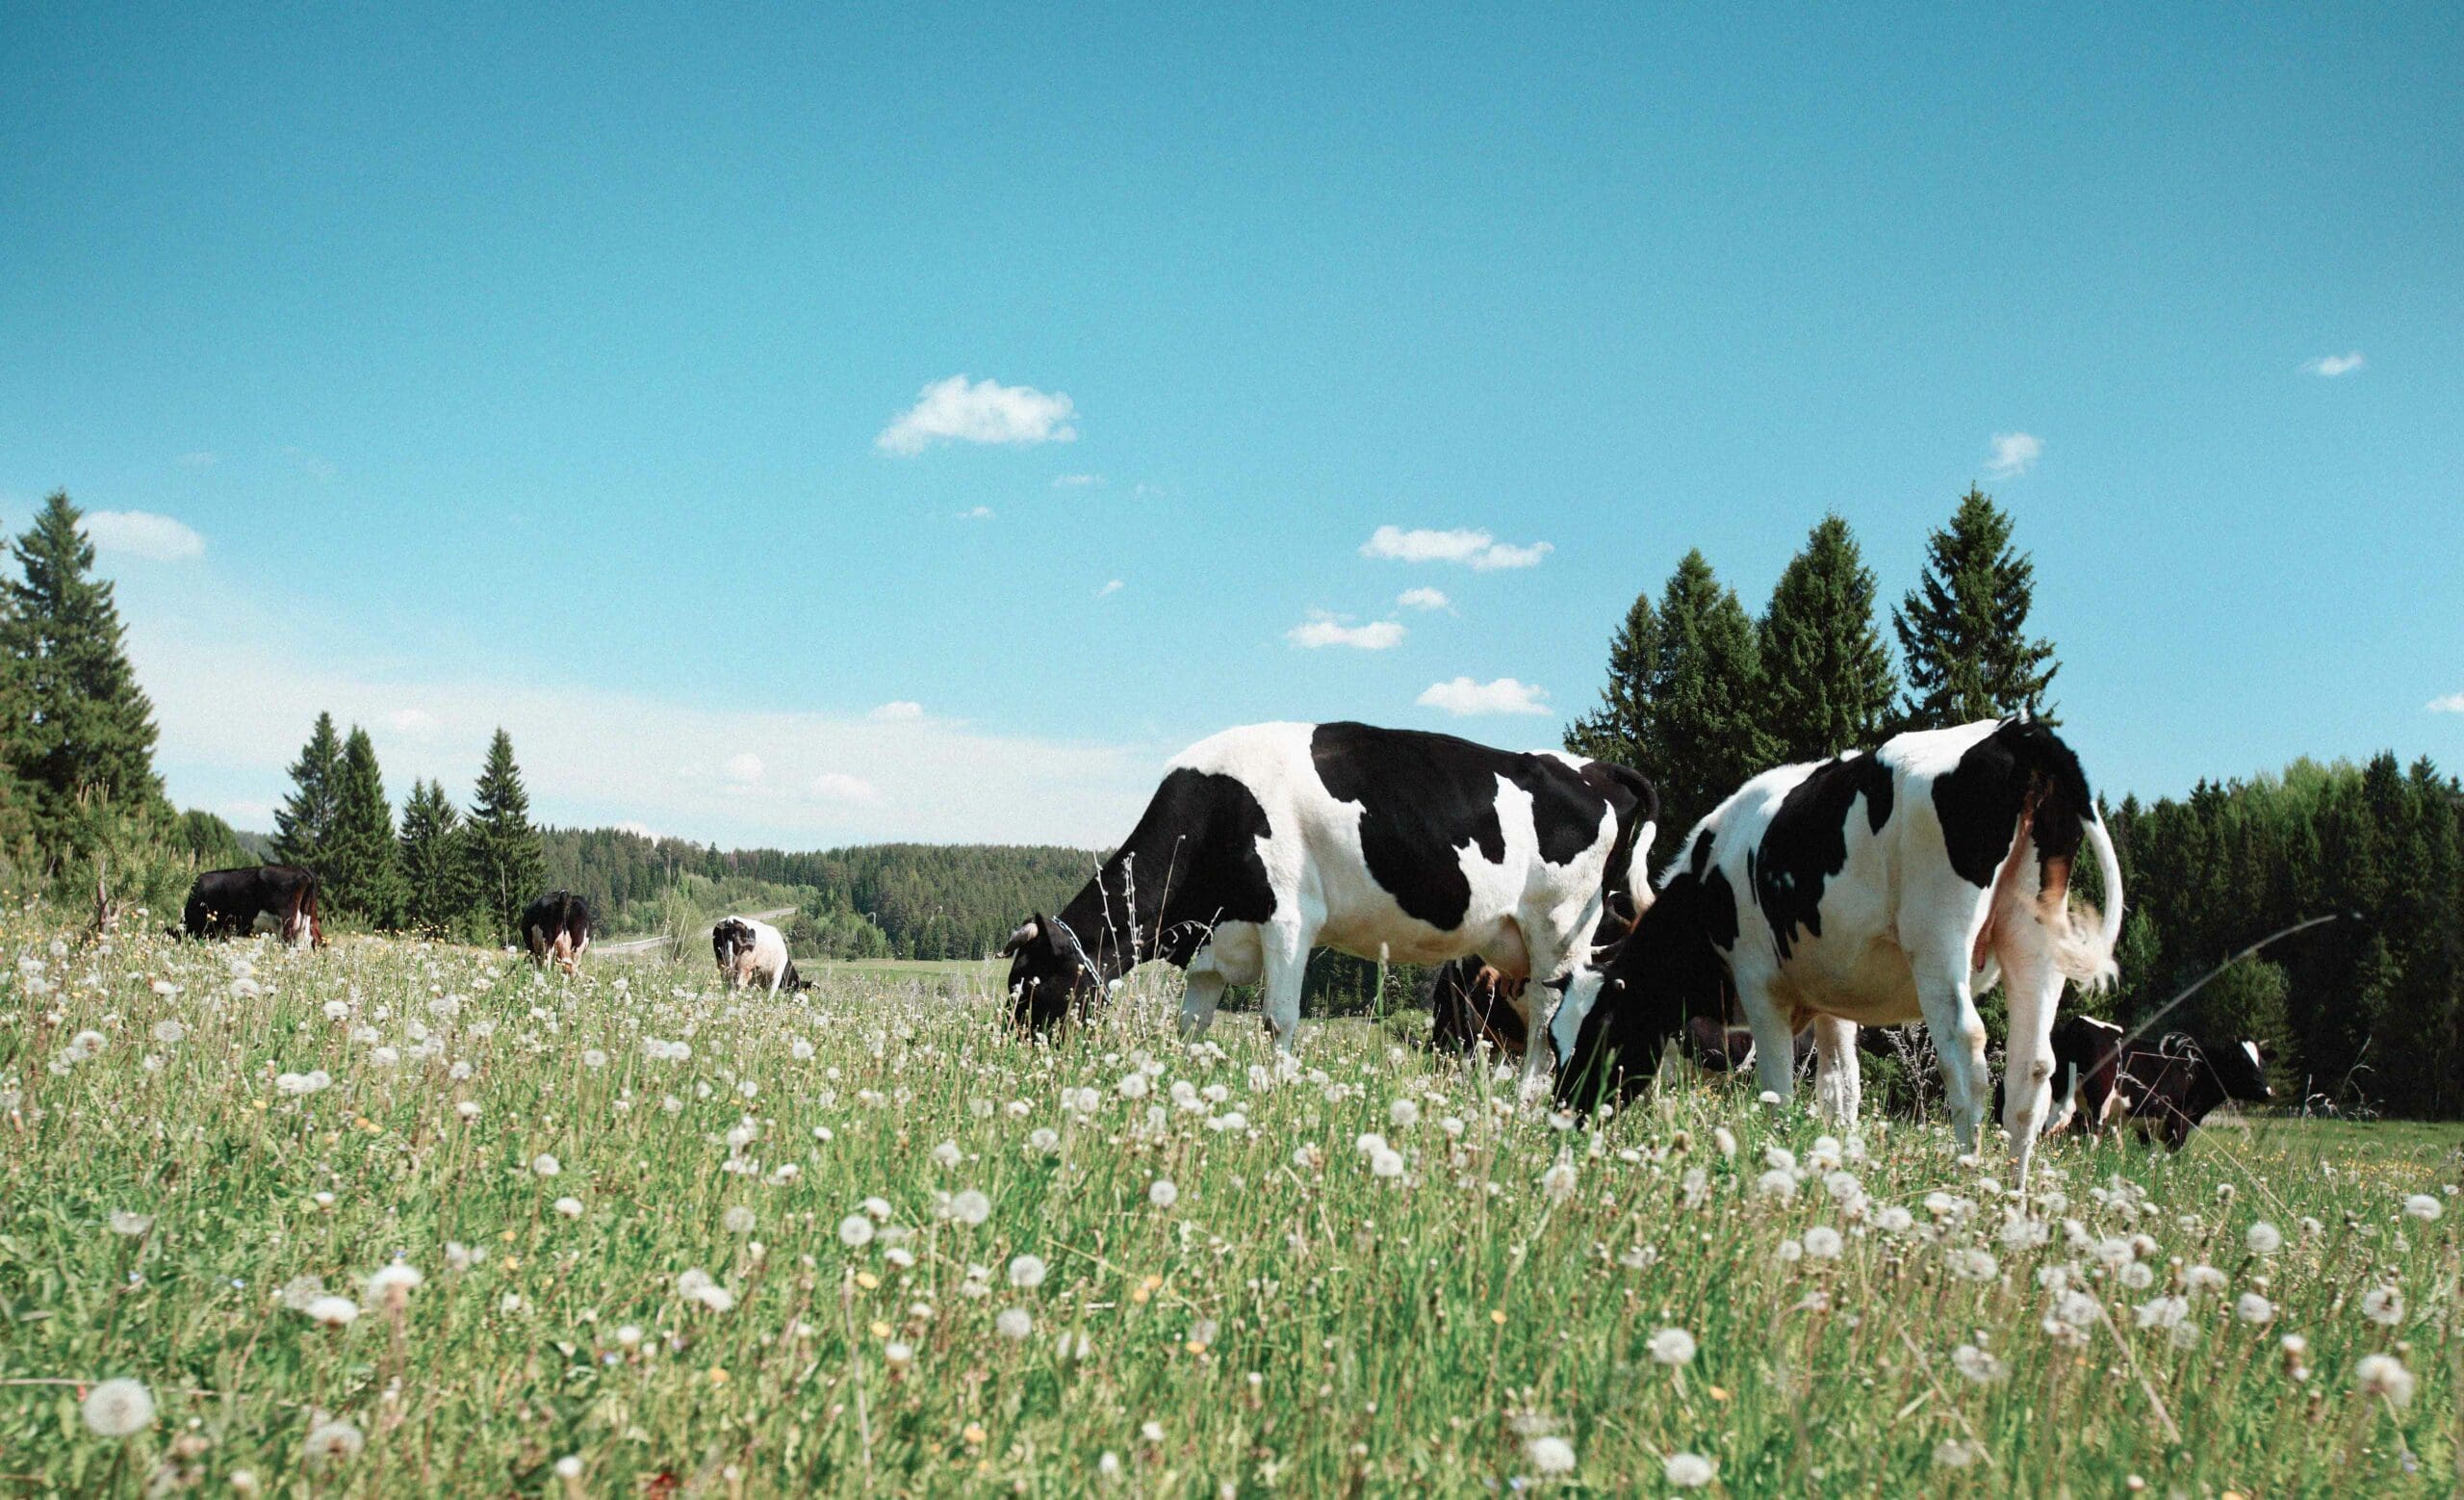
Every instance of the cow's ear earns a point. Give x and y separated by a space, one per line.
2178 1044
1028 932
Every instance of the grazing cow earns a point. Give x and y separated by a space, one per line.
2088 1092
750 951
1470 1003
1873 889
2173 1086
226 903
557 928
1415 847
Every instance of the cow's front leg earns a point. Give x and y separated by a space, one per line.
1942 989
1837 1082
1198 1001
1286 963
1775 1041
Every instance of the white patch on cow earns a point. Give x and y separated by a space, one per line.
2252 1047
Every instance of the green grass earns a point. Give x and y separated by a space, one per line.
1291 1322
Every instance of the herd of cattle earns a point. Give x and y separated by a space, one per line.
1819 900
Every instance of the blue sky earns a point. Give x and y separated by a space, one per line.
551 372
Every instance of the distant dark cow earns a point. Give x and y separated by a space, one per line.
2173 1086
750 951
556 929
227 903
1878 888
1386 843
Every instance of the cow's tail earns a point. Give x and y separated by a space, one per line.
2086 955
1638 865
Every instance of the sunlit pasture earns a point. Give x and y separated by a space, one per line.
397 1219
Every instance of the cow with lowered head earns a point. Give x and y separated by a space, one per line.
556 929
227 903
2175 1083
1265 842
1874 889
750 951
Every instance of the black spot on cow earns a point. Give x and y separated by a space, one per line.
1190 863
1670 969
226 903
2021 767
1423 797
1808 842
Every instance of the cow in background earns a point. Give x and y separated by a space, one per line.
555 928
2171 1087
750 951
1873 889
229 903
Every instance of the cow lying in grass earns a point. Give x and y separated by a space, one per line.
1872 890
1265 842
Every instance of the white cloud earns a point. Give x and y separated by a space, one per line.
638 829
1475 549
412 722
839 787
141 533
1464 697
1423 598
202 459
2453 703
978 513
954 411
1111 588
744 769
2015 453
319 469
1325 630
898 711
2334 365
1077 482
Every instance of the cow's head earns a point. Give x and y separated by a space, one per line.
1048 974
1671 968
729 941
2238 1068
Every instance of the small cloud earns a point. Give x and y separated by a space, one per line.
1325 630
954 411
200 459
839 787
1464 697
1142 490
637 830
1423 598
412 722
141 533
1108 589
1474 549
978 513
2015 453
320 470
2453 703
2334 365
898 711
1078 482
744 769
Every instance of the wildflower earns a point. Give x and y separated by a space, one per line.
1370 1143
1672 1346
738 1220
568 1467
390 1288
1687 1470
855 1231
1026 1272
545 1165
468 1109
1016 1324
2076 1307
120 1407
1823 1242
1896 1220
628 1335
2204 1279
2138 1275
1405 1113
2164 1312
332 1312
1387 1164
696 1286
947 1154
2021 1232
570 1207
170 1032
333 1441
1551 1454
2423 1207
2264 1239
1725 1140
1975 1265
132 1224
2383 1305
2376 1374
1558 1182
898 1355
1779 1158
1954 1454
971 1208
1788 1252
2251 1307
1978 1365
1162 1193
1775 1183
1043 1140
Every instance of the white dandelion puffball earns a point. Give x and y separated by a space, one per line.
947 1154
391 1286
1896 1220
1551 1454
1823 1242
1162 1193
2264 1239
132 1224
545 1165
1687 1470
2383 1305
1403 1113
333 1443
1978 1365
855 1231
2251 1307
971 1208
170 1032
1014 1323
468 1109
120 1407
2376 1374
332 1312
738 1220
1132 1085
898 1355
1776 1184
1954 1454
1027 1272
1387 1164
570 1207
1673 1346
2423 1207
569 1466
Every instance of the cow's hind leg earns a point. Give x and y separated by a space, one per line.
1944 988
1838 1086
2034 987
1285 963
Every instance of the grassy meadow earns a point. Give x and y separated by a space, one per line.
392 1219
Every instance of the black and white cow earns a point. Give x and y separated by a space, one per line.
1470 1003
750 951
555 928
227 903
1872 890
1265 842
2173 1086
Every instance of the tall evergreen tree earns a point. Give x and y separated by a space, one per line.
506 863
1683 696
79 731
1963 628
439 898
304 824
362 870
1827 676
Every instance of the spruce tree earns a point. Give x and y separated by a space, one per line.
506 862
438 896
1827 676
79 734
304 824
363 872
1963 627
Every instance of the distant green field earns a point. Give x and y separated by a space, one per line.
392 1219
